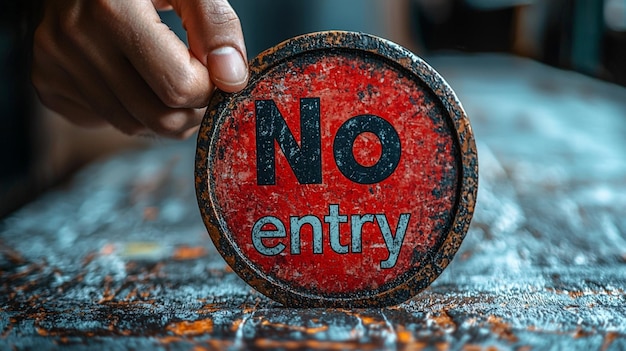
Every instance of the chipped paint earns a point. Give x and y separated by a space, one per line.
430 185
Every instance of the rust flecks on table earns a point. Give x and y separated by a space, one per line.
119 258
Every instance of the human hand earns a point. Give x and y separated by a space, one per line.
115 62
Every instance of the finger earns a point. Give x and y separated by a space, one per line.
78 81
109 84
161 5
57 91
161 58
142 103
56 94
216 39
147 108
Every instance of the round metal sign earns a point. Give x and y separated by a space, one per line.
344 174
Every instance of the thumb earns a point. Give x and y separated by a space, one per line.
216 39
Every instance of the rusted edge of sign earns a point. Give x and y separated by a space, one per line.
433 264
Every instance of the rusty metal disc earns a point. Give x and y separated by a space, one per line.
344 174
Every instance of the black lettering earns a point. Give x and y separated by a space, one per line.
344 142
305 160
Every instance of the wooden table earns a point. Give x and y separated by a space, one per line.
120 259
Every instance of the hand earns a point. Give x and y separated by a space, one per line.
113 61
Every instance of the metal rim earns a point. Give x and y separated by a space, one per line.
433 264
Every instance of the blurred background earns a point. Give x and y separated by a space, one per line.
39 149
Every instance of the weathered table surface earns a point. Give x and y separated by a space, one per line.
120 259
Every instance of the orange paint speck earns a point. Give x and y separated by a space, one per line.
186 328
107 249
189 253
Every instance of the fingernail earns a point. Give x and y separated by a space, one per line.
227 66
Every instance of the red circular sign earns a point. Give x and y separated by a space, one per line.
343 175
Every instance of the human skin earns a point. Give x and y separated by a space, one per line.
99 62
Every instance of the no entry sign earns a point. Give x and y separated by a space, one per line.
345 174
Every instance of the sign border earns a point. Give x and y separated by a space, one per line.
433 264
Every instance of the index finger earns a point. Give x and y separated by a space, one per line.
216 39
178 78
